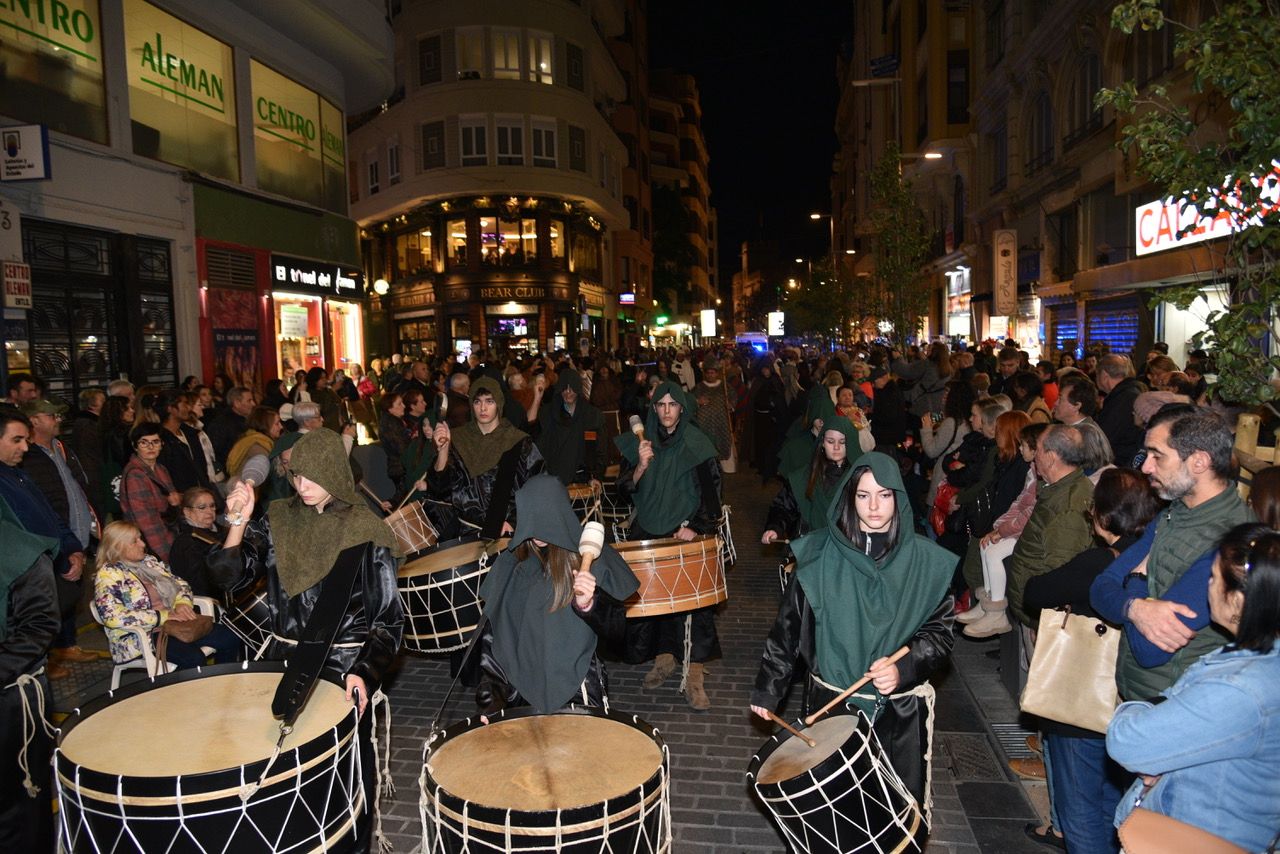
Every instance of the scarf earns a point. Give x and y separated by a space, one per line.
21 550
307 543
545 654
668 493
863 608
250 444
479 451
157 578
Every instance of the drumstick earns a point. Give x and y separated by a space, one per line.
406 499
789 728
848 692
371 494
590 544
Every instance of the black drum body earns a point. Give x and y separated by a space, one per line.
310 799
622 755
440 591
840 797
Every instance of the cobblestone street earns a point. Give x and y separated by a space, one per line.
978 805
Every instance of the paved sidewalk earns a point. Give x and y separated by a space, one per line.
978 805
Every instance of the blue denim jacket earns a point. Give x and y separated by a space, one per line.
1216 744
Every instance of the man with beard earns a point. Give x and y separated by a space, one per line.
673 476
480 465
1157 590
572 433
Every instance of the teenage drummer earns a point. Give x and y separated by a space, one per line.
801 505
866 585
544 613
673 476
297 545
571 433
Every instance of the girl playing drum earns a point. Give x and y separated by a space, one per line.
867 584
801 505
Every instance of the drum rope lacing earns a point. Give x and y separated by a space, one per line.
31 721
382 773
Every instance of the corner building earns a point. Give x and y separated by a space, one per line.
488 187
196 189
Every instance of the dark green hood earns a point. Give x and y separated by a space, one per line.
480 452
321 457
569 378
814 508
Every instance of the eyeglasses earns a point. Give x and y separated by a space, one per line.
150 443
202 506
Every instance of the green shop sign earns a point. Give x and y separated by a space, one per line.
66 24
183 73
284 109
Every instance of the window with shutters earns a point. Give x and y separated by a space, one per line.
540 62
470 53
371 171
393 161
509 133
433 145
574 74
506 54
429 60
474 145
577 149
544 142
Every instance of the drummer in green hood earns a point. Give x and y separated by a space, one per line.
802 503
673 477
866 585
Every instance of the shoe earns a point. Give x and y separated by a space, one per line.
56 670
694 691
663 666
994 622
972 615
1053 840
72 653
1028 769
982 595
1033 744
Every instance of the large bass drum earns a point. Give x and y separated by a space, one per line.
675 575
440 592
172 764
579 780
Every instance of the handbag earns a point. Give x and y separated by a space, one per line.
940 511
1146 832
1072 678
187 631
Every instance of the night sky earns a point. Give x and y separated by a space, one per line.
766 72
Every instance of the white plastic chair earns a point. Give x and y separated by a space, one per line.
147 661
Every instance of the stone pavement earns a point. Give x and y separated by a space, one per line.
978 804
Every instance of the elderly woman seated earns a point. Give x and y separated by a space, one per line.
135 590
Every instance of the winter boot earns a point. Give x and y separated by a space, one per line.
994 622
663 666
976 612
694 691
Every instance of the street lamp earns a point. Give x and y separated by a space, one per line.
831 221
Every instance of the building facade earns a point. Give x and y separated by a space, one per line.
490 188
1035 165
193 154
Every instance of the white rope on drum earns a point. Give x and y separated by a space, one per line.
381 773
688 646
32 721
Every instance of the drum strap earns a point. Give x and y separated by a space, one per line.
302 670
500 497
32 721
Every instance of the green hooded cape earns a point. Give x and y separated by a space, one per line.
814 510
545 654
21 549
480 451
563 438
307 543
864 609
797 448
667 494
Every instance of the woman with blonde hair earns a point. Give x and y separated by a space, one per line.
133 589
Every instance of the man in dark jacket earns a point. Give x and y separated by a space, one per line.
572 433
1116 380
229 424
85 440
182 456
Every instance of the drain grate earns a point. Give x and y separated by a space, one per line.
1013 740
971 757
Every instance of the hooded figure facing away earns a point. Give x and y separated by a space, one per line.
866 585
571 439
544 615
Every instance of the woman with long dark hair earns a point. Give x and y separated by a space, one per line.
865 585
802 503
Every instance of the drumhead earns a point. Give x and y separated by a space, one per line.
793 757
197 725
449 555
545 762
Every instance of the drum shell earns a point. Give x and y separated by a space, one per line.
442 606
824 810
577 830
209 807
665 586
248 615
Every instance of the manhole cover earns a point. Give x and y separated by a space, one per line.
971 757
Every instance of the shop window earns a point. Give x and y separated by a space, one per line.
53 73
416 337
586 255
413 253
544 143
577 149
509 133
456 232
470 53
574 67
529 240
540 61
557 239
506 54
429 66
433 145
475 149
333 156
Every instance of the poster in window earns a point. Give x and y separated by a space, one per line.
234 315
